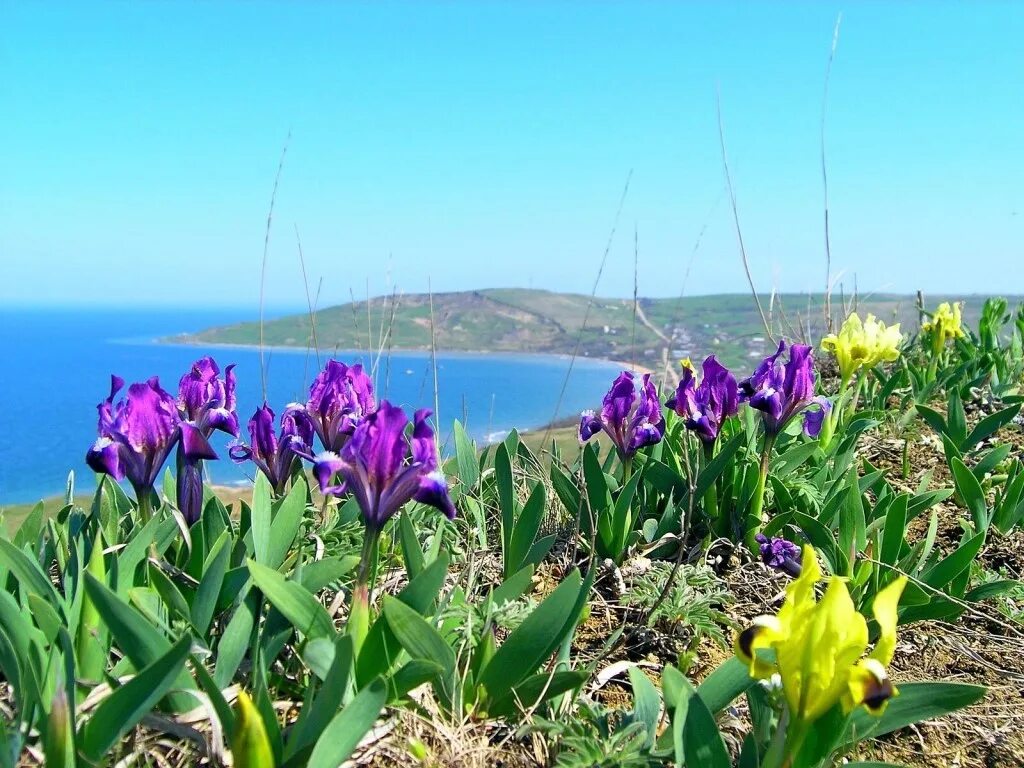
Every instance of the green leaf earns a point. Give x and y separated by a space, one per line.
951 566
991 589
894 531
260 515
970 491
315 716
534 640
823 540
126 706
991 424
411 552
535 690
646 702
596 482
851 522
205 603
320 573
916 702
956 419
512 587
30 528
140 641
28 573
137 550
622 519
567 491
525 530
506 494
380 647
293 601
933 418
465 457
717 466
412 674
210 688
730 679
702 742
168 592
285 525
794 457
343 734
417 637
235 641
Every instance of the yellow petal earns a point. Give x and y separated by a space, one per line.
869 685
763 632
816 662
884 610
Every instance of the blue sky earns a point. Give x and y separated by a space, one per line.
487 144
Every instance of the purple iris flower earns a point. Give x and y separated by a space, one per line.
275 454
706 406
206 402
138 433
780 554
383 469
339 398
630 421
781 392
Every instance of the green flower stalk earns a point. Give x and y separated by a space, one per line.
755 517
711 495
704 409
383 469
359 612
781 393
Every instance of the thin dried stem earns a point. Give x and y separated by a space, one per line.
590 304
433 354
824 177
736 220
309 306
636 290
266 250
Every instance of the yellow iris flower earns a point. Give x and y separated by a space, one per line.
944 324
863 345
820 646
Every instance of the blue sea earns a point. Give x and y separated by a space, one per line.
57 366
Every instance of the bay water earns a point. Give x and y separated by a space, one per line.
57 364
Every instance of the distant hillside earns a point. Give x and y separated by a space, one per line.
520 320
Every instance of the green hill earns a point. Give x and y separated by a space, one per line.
521 320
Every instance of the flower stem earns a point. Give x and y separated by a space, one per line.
145 507
359 612
851 406
755 517
711 495
796 734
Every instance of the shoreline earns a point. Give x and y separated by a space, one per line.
171 341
